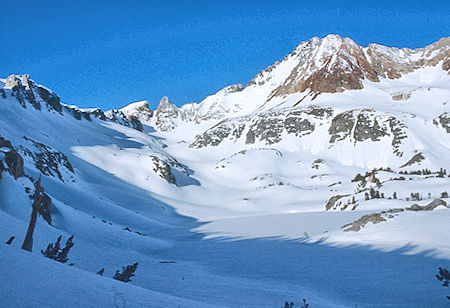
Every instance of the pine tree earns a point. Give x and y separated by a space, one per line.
52 249
372 193
62 255
127 273
444 275
55 252
100 272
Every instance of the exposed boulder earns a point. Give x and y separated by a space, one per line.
414 207
358 224
434 204
15 164
429 207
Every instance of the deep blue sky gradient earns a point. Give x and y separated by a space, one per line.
109 53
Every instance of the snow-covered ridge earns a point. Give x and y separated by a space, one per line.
29 93
328 65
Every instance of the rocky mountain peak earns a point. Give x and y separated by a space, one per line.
320 65
328 65
165 100
334 64
14 81
28 92
139 110
165 114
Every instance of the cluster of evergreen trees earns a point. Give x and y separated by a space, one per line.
441 173
444 276
125 275
374 194
55 252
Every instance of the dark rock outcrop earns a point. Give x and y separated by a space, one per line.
162 168
333 200
119 117
50 98
359 125
13 160
267 126
358 224
47 160
429 207
27 92
417 158
444 120
15 164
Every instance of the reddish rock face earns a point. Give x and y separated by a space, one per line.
334 64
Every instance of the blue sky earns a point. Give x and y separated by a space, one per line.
110 53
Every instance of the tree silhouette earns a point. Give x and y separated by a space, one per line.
37 198
444 276
127 273
55 252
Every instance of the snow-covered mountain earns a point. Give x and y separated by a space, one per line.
335 145
329 65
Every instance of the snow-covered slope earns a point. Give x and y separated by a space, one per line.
335 146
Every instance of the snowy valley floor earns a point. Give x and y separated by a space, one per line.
194 271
